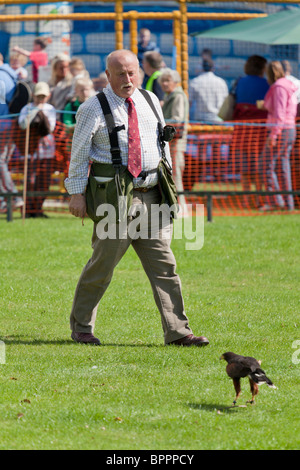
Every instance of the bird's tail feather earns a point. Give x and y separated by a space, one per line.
260 378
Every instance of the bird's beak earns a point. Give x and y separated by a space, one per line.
222 357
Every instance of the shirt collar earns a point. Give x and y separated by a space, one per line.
108 90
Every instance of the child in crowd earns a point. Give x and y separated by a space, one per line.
41 116
84 89
38 56
17 62
78 71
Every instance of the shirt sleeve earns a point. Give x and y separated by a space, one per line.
52 118
276 104
27 114
80 153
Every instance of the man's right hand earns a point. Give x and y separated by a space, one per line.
77 205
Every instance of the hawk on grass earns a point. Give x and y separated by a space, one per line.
241 366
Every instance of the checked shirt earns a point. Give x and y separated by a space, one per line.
91 139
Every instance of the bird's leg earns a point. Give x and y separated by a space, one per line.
237 387
254 391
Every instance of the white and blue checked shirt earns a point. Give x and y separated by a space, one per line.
207 93
91 139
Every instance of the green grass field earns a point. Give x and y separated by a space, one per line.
241 290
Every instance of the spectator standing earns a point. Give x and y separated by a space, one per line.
38 56
206 94
250 88
2 92
152 65
60 82
84 89
288 74
6 182
145 44
17 62
42 116
78 70
249 141
8 78
281 104
176 110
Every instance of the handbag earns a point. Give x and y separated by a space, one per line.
227 108
167 187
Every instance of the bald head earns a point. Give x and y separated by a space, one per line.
121 55
122 70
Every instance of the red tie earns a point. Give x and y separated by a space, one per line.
134 146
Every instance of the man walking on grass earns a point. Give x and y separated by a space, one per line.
140 152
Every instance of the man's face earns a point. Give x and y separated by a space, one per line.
62 68
145 37
123 74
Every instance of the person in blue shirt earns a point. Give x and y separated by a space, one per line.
2 92
8 78
145 44
250 88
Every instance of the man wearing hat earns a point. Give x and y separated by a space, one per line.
41 117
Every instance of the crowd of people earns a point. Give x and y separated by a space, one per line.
266 91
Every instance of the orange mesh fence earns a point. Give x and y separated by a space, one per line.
227 161
47 167
230 163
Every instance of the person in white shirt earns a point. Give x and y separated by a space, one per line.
288 74
2 92
41 117
206 94
91 143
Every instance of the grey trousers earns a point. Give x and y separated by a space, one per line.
158 262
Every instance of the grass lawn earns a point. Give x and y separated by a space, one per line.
241 290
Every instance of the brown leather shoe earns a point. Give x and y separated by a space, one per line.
86 338
191 340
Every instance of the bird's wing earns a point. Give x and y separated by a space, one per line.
249 362
236 369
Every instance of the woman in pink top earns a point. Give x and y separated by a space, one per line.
281 104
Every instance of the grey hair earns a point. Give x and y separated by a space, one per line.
167 72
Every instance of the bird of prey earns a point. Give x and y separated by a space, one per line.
241 366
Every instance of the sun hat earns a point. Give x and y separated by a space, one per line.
41 88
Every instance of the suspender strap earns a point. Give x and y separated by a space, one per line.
150 102
159 124
112 130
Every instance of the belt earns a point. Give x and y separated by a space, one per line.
144 189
